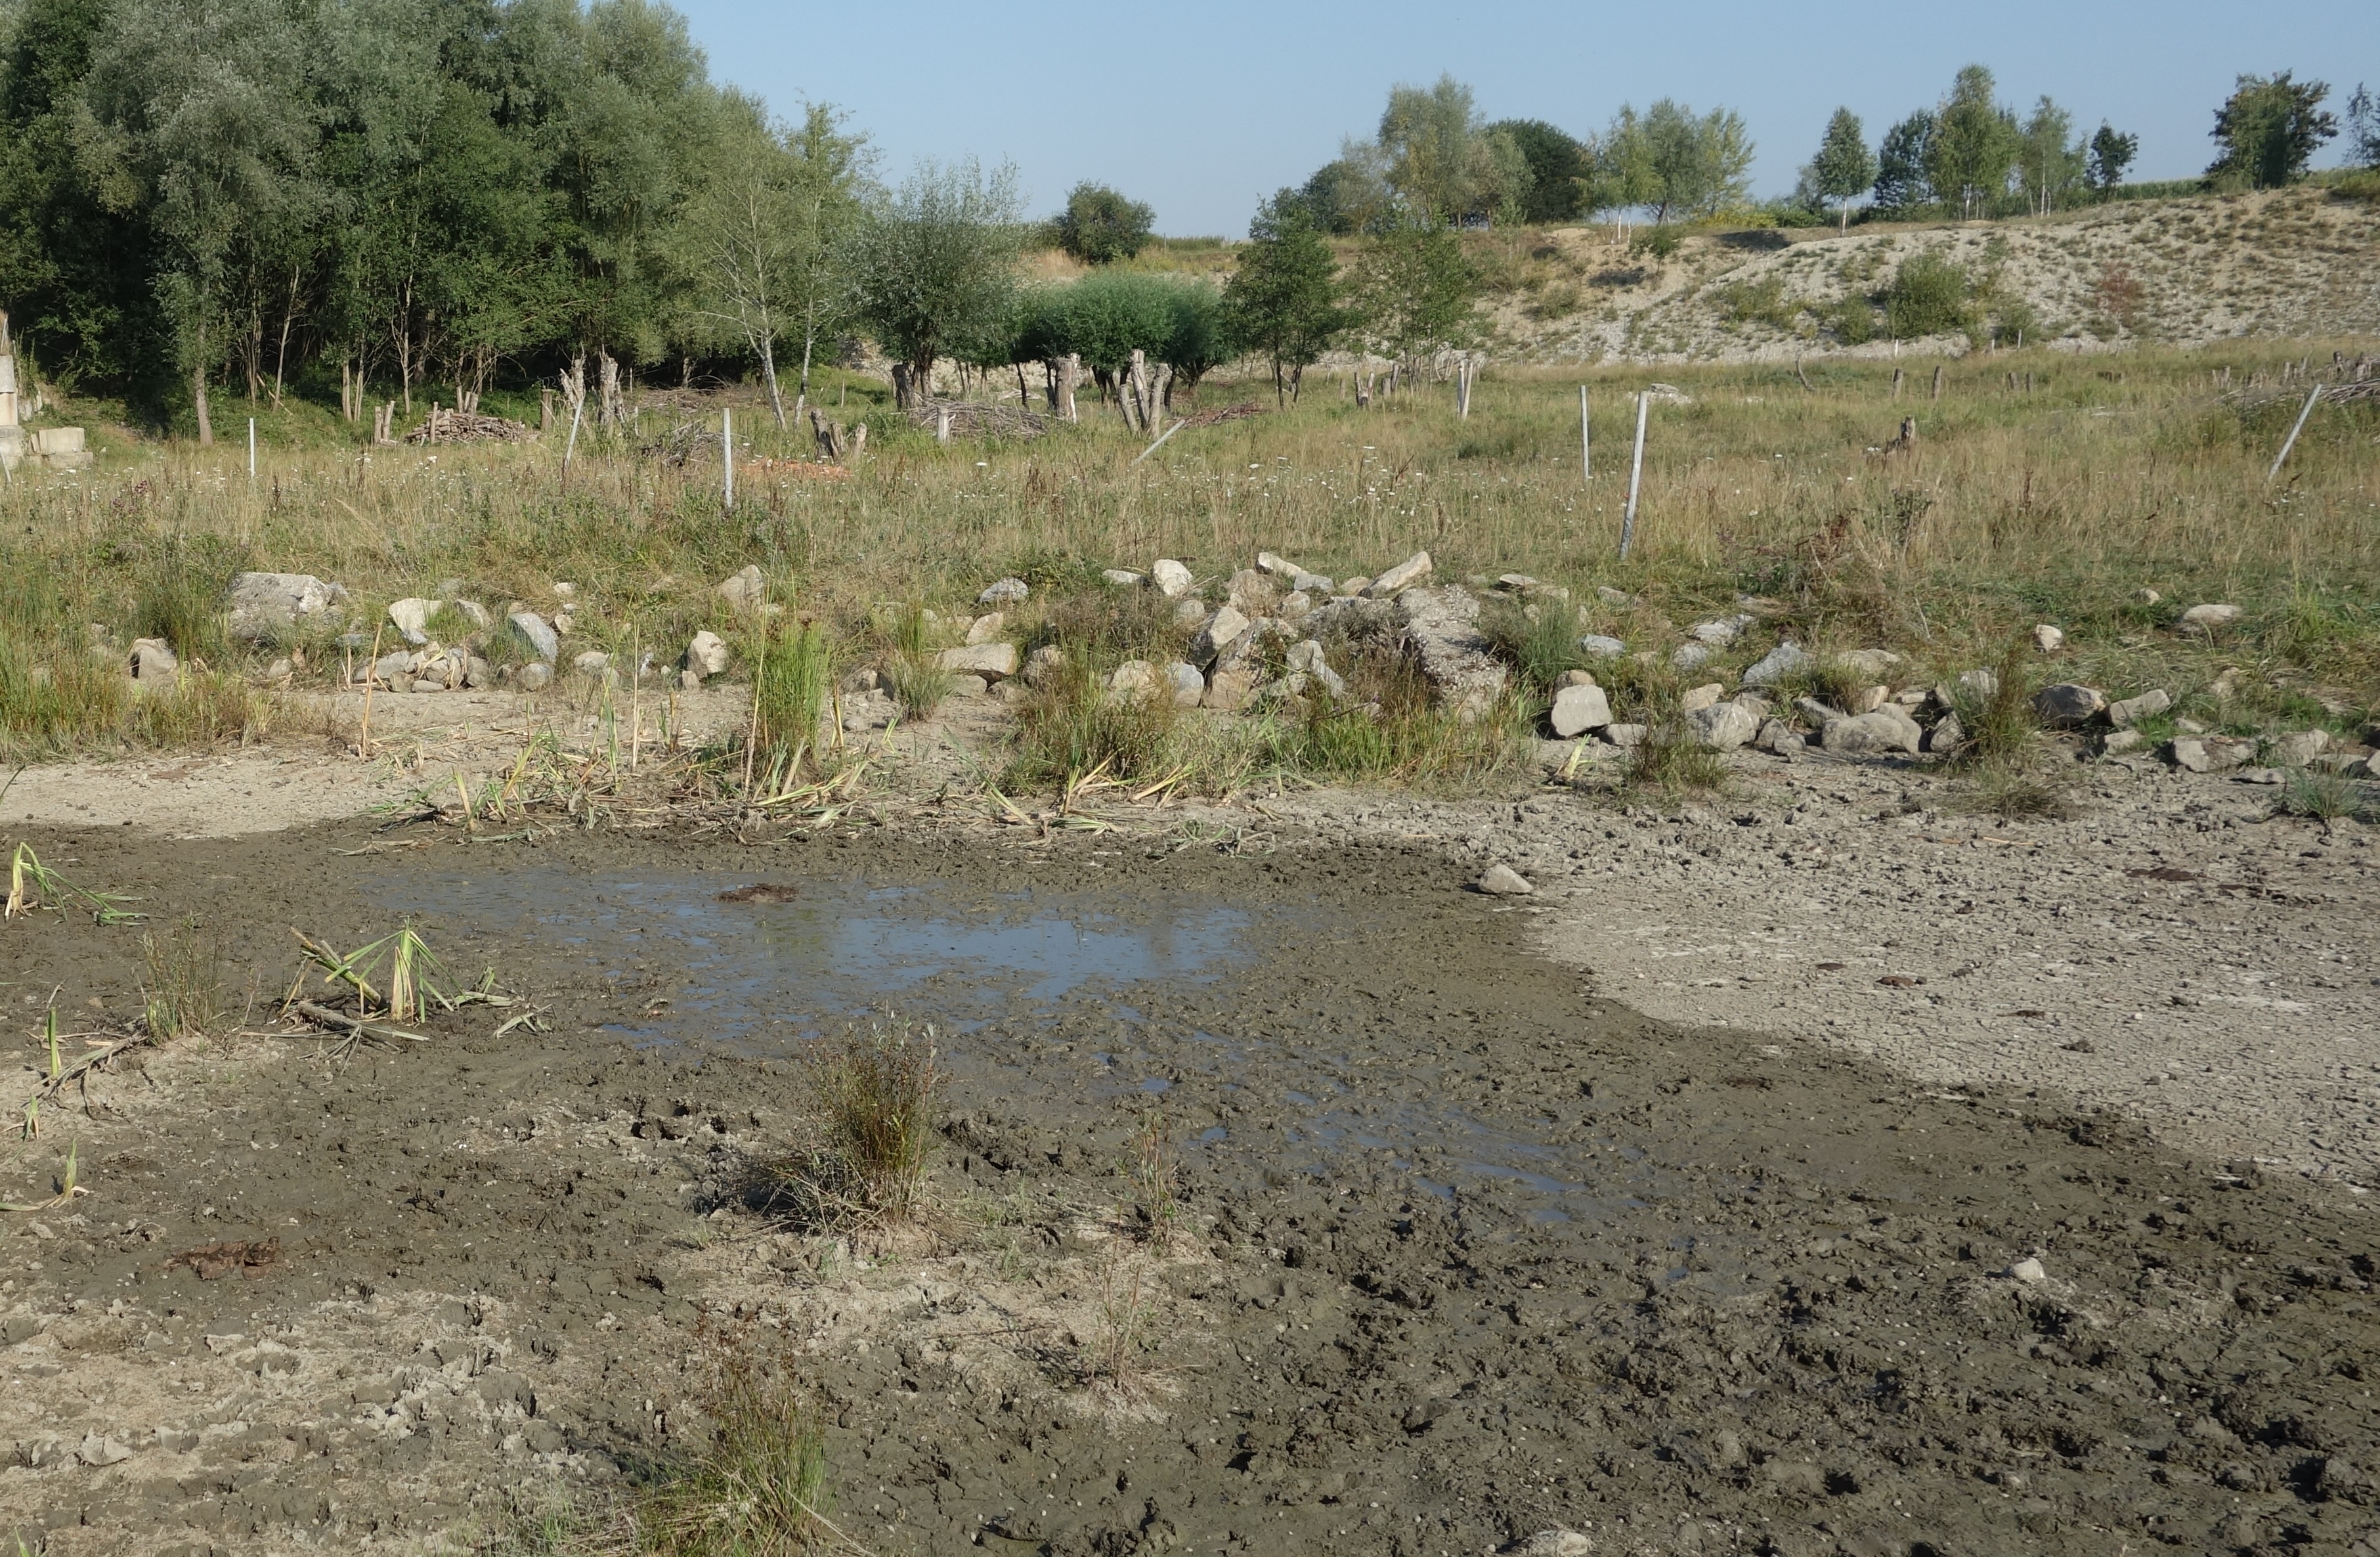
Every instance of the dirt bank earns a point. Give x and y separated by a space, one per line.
1470 1252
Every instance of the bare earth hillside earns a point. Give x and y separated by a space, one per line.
2288 263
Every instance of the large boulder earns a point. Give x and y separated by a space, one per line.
1723 726
264 605
1441 631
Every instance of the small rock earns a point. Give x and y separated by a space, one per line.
478 673
1946 735
594 662
98 1450
1578 708
2298 750
2048 639
707 653
1887 729
541 640
865 678
2130 711
154 662
279 670
1873 664
744 591
1575 678
536 676
2189 726
2068 705
2210 754
1044 665
262 604
1720 632
1406 574
1786 659
1623 735
969 687
1979 683
1691 656
1597 646
1517 583
1816 713
411 617
1349 587
1502 881
1306 657
566 592
480 615
1229 691
2259 776
1778 739
2120 741
1867 699
1252 591
1723 726
1618 599
1124 578
1295 606
428 684
1189 611
1138 678
1173 580
986 627
2029 1271
1280 567
991 661
1700 696
2147 597
1219 633
1555 1542
1311 583
2205 621
1005 591
1189 685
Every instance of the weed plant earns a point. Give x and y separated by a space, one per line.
1075 724
182 990
916 681
875 1090
1998 730
1539 640
759 1487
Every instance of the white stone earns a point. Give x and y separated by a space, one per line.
1689 656
2298 750
1280 566
2120 741
1786 659
1189 685
154 662
263 603
707 653
986 627
1172 580
1778 738
1622 734
1874 664
1124 578
1311 583
541 638
2204 621
1220 631
1700 696
1405 575
745 591
1138 678
1720 631
592 662
1723 726
1597 646
2048 639
1556 1543
1502 881
969 687
1887 729
2029 1271
411 617
1189 611
1005 591
1867 699
991 661
1578 710
2130 711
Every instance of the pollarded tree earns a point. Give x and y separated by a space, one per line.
932 259
1844 168
1973 146
2270 128
2112 151
1283 299
1099 226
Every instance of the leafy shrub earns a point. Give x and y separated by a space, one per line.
1760 302
1659 241
1929 296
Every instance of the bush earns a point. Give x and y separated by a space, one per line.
1761 302
1852 320
1099 226
1929 296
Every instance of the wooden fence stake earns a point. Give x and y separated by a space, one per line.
1636 475
727 456
1585 448
2292 440
1937 381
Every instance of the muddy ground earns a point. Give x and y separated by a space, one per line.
1468 1253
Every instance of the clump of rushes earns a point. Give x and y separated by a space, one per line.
758 1487
875 1090
1668 758
182 993
791 670
916 680
1539 640
1998 726
1075 725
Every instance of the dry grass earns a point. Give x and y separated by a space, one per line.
874 1089
182 989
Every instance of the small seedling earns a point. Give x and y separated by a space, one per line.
412 972
1153 1171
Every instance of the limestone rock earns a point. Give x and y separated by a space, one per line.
1502 881
536 676
1189 685
1044 665
1252 591
746 590
1723 726
1306 658
2048 639
1005 591
1311 583
1874 665
1402 577
2030 1271
1597 646
1691 656
1219 632
2210 754
1575 678
1279 567
707 653
411 617
1189 611
542 640
2129 712
1173 580
2299 749
1701 696
1578 710
264 605
1720 632
1778 738
2205 621
986 627
1124 578
1294 604
1623 735
1229 691
1353 587
1138 678
993 661
1887 729
154 662
1441 631
2067 705
1788 658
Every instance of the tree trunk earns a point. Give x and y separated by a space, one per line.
802 396
198 399
768 372
904 390
1297 381
1070 376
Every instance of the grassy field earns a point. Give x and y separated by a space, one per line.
2060 500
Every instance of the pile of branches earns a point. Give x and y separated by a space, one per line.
681 444
977 419
1222 414
444 426
2361 389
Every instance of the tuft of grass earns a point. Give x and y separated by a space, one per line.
1539 640
1073 725
919 684
1668 758
2328 797
182 584
1998 728
875 1090
182 991
2014 794
1126 1312
1154 1170
791 669
759 1487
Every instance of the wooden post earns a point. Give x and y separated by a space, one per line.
727 456
2292 442
1896 376
251 448
1636 477
577 409
1585 448
1937 381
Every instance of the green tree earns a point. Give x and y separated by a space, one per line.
1283 299
1844 168
1414 291
1099 226
2269 130
1973 147
934 260
1346 195
1558 167
1202 334
2111 152
1902 185
1676 163
2363 128
2049 162
828 172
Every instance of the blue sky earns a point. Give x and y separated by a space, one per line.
1203 109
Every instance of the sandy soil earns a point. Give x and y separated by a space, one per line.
1482 1234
